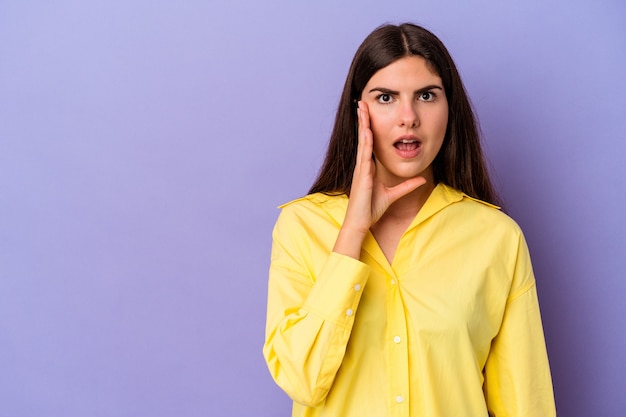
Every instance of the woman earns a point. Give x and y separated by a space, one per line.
396 287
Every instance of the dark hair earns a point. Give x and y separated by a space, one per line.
460 162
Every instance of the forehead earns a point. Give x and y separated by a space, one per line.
412 71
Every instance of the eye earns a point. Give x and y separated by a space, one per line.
384 98
427 96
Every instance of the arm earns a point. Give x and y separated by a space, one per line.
517 373
309 318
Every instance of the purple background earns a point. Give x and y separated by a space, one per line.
145 145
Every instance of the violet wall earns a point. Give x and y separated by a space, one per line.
145 145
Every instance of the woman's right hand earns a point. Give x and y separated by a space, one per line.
369 198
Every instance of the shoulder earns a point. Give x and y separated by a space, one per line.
486 209
314 209
313 200
495 233
480 216
308 222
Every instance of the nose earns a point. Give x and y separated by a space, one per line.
408 114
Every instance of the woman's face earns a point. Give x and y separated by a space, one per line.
408 113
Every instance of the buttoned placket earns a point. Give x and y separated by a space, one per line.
398 351
396 337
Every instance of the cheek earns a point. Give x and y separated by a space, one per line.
444 126
440 123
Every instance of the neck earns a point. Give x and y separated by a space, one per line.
408 206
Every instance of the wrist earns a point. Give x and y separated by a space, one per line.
349 241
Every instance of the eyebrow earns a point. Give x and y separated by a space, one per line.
393 92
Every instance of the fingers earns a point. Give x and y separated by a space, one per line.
358 215
359 148
365 136
365 113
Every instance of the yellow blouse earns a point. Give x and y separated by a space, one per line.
450 329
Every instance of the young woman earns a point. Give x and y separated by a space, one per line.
396 287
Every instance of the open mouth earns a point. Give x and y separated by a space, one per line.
407 144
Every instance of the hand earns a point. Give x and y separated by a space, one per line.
369 198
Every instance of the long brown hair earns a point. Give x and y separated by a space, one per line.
460 162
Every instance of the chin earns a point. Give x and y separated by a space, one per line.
426 173
406 174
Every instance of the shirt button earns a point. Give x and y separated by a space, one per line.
349 312
357 287
397 339
399 399
393 282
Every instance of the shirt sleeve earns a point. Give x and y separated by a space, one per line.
517 373
310 312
